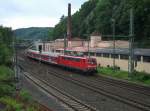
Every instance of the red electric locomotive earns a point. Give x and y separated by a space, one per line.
79 63
83 64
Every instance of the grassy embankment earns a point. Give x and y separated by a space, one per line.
8 96
137 77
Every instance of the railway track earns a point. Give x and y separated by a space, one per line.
140 105
145 90
137 104
70 101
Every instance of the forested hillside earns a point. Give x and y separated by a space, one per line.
34 33
96 16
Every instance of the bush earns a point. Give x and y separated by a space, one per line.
25 96
6 86
5 54
6 90
6 73
12 104
141 77
31 109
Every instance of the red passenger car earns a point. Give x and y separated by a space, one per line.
44 56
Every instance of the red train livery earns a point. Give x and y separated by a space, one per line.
83 64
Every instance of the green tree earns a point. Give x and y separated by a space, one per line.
96 16
6 37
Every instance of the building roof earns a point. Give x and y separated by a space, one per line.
125 51
78 49
137 51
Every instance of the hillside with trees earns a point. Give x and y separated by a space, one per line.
34 33
96 16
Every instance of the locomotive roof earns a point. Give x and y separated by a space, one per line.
75 56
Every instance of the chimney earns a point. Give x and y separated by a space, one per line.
69 23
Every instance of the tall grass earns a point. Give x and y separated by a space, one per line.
7 87
138 77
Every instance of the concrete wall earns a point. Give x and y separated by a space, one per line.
95 40
143 66
109 44
123 64
58 44
77 43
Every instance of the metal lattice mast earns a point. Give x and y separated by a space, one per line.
114 46
131 44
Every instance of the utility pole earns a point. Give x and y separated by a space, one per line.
88 38
44 45
65 44
14 56
15 59
131 44
16 68
88 45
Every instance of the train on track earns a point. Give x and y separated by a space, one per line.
84 64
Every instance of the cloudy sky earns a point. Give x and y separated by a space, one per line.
34 13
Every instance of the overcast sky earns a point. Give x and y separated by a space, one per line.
34 13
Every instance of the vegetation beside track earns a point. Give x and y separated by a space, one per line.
10 99
137 77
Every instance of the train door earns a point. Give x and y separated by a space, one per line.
61 60
40 48
82 63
